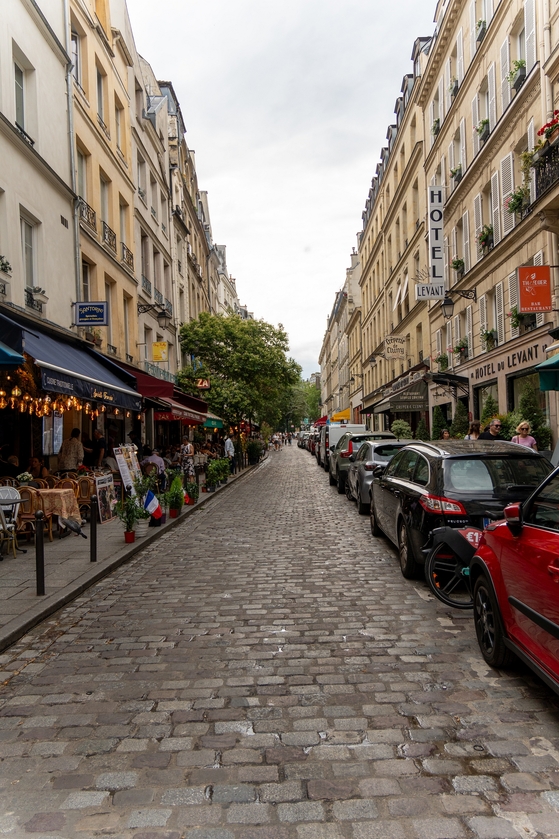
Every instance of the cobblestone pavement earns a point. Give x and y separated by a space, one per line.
265 672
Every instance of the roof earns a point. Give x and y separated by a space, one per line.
470 447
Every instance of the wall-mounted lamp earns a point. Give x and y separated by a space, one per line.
163 316
447 305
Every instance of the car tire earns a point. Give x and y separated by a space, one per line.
448 577
408 565
340 483
489 626
375 529
331 479
362 508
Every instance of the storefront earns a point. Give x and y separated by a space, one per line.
405 398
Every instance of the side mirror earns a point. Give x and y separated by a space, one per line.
352 458
332 448
513 518
378 471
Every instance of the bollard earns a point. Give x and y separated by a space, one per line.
40 552
93 529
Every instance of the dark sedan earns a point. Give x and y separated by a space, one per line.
455 483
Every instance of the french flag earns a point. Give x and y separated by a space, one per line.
151 504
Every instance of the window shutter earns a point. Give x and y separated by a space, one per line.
492 89
489 10
475 122
446 272
442 111
449 343
447 98
530 31
500 313
513 300
451 163
470 331
454 240
397 300
466 241
472 29
483 317
456 330
460 56
443 170
463 160
538 260
478 224
495 208
431 120
438 342
505 69
507 186
531 144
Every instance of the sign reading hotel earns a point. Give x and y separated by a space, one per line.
160 351
91 314
395 346
434 289
534 285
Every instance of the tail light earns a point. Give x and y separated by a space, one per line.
348 451
369 466
440 504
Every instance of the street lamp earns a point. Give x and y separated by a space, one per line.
447 305
163 316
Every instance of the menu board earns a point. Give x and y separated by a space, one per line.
128 466
52 433
106 497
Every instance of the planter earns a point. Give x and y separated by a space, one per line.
142 527
163 518
211 488
463 355
174 513
486 246
203 488
481 32
518 79
540 154
457 177
484 135
454 88
129 536
223 481
190 502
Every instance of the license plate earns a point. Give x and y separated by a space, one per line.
486 522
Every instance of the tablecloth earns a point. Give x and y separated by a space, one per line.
60 502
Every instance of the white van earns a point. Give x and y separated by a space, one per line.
329 436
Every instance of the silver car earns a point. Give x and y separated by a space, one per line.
372 453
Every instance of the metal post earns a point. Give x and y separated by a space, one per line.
40 552
93 529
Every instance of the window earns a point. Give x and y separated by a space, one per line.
108 298
19 78
82 175
544 509
104 194
86 284
118 126
126 323
123 216
141 176
75 56
100 98
406 465
27 243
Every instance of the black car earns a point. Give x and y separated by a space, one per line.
455 483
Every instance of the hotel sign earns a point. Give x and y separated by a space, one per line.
91 314
436 238
534 286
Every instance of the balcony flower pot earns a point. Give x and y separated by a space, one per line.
481 30
484 133
518 78
129 536
456 174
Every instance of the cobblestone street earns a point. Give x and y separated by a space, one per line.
265 672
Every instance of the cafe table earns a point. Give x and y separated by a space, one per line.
61 503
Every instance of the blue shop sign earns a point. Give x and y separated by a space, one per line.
91 314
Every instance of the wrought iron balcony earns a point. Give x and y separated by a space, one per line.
168 306
155 370
547 170
129 358
111 349
32 303
179 264
108 236
88 214
127 256
157 296
146 285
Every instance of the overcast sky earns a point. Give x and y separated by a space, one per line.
286 104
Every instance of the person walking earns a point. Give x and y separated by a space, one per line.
523 436
493 432
71 452
187 459
99 448
473 431
230 452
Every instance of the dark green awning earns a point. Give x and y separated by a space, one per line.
9 358
549 373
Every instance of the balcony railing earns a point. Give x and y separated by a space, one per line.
179 264
154 370
547 170
32 303
146 285
88 214
2 288
129 358
111 349
29 140
127 256
168 306
108 236
103 127
157 296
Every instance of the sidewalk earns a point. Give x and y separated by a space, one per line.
68 570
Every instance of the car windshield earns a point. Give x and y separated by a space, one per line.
489 474
386 453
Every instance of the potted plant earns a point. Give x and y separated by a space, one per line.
254 451
24 478
488 339
458 265
192 491
481 28
39 294
163 498
550 131
442 361
5 266
225 469
213 475
483 130
516 317
485 237
436 127
456 174
142 523
461 349
127 511
453 87
518 200
176 497
517 74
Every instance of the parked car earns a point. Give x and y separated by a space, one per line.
515 577
463 484
329 436
360 473
338 462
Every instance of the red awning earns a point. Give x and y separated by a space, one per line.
179 412
154 388
321 421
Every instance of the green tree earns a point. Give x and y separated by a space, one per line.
460 423
401 429
531 411
246 362
422 432
439 423
301 401
490 409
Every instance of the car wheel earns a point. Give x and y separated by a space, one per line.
408 565
348 492
362 508
489 626
448 577
340 483
331 479
375 529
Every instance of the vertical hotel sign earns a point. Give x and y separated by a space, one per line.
436 240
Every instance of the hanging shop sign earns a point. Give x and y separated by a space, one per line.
160 350
430 291
395 346
91 314
534 285
203 384
436 239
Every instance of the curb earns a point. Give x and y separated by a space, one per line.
46 606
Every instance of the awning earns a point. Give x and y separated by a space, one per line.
412 398
212 421
341 416
176 411
9 358
549 373
68 369
321 421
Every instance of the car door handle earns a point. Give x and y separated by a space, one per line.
554 570
397 494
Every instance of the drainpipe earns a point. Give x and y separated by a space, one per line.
70 98
545 52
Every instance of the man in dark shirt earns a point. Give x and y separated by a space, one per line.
99 448
494 431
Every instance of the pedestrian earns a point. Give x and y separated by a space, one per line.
473 431
71 452
99 448
187 459
493 431
230 452
445 434
523 436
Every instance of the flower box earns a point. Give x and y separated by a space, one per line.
484 133
518 78
481 30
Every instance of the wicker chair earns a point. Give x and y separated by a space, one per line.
51 481
6 481
31 501
85 490
67 483
7 534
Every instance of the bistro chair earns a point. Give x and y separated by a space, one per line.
9 502
51 481
39 483
6 481
84 493
67 483
8 535
31 501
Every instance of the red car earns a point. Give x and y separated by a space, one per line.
515 581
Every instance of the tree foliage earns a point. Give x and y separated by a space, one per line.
246 362
301 401
531 411
439 423
422 432
460 423
401 429
490 409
